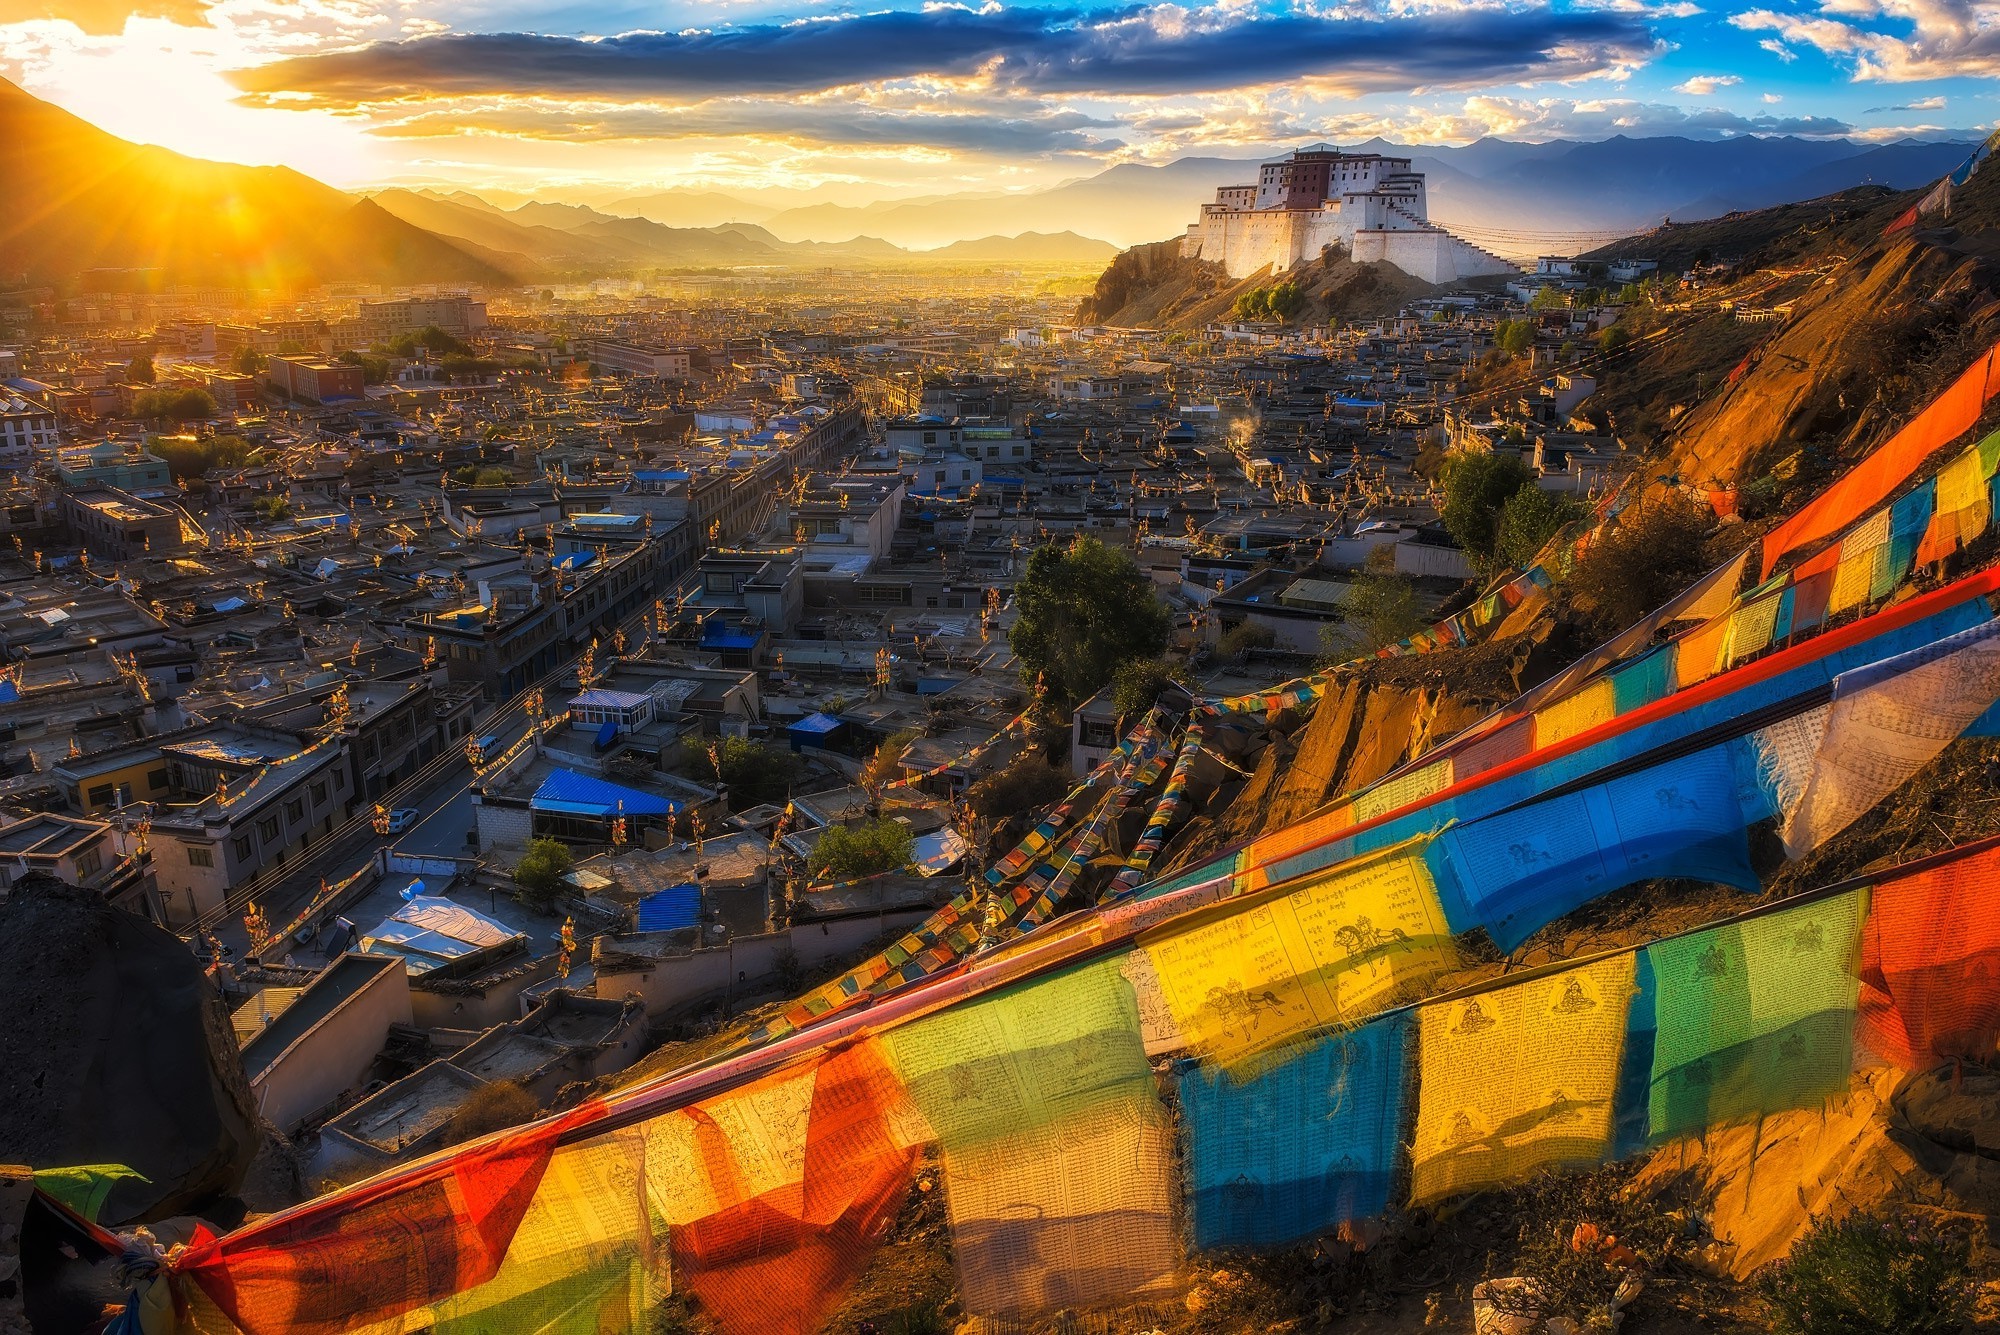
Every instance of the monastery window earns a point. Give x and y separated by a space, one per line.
201 857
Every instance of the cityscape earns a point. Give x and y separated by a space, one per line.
997 671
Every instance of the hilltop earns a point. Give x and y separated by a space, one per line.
1153 286
87 200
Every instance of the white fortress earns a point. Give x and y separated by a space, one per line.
1372 206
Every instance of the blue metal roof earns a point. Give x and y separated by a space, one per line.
723 636
675 906
817 725
570 793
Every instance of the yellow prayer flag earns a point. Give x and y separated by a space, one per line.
1519 1078
1391 794
1348 943
1578 713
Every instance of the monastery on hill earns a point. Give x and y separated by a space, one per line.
1371 205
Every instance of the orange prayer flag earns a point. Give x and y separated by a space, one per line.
1871 481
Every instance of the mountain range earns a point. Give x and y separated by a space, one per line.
88 203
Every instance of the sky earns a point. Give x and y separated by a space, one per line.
820 99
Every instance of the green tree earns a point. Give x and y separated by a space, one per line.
1083 610
139 371
175 405
1549 298
271 509
1514 337
755 772
247 361
187 457
1381 609
435 340
1139 683
1021 789
540 872
850 852
1476 485
1528 520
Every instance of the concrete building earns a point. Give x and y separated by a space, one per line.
25 427
629 359
117 525
379 321
314 381
321 1041
1373 207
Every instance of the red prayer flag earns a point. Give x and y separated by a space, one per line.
390 1246
1930 965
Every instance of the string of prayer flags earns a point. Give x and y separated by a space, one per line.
1519 1079
1297 1148
1870 482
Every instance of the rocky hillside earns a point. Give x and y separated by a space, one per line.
1152 286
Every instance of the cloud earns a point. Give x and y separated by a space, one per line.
1779 49
816 122
1701 85
1936 39
1771 99
1566 118
1161 49
1921 104
105 18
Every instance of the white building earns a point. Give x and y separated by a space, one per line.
25 427
630 359
1372 206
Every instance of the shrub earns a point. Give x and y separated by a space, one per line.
850 852
180 405
1024 786
1656 550
1242 638
492 1107
540 871
1866 1275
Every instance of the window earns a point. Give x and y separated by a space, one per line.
295 811
90 863
319 791
201 857
100 796
156 779
242 846
267 829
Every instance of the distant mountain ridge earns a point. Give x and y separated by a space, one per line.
86 200
1557 188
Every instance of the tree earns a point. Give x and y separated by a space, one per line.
271 509
139 371
755 772
1514 337
1083 610
1528 520
1140 682
431 338
247 360
541 870
176 405
850 852
1549 298
883 766
1382 609
187 457
1476 485
1244 636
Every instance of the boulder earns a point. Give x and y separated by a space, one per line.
118 1050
